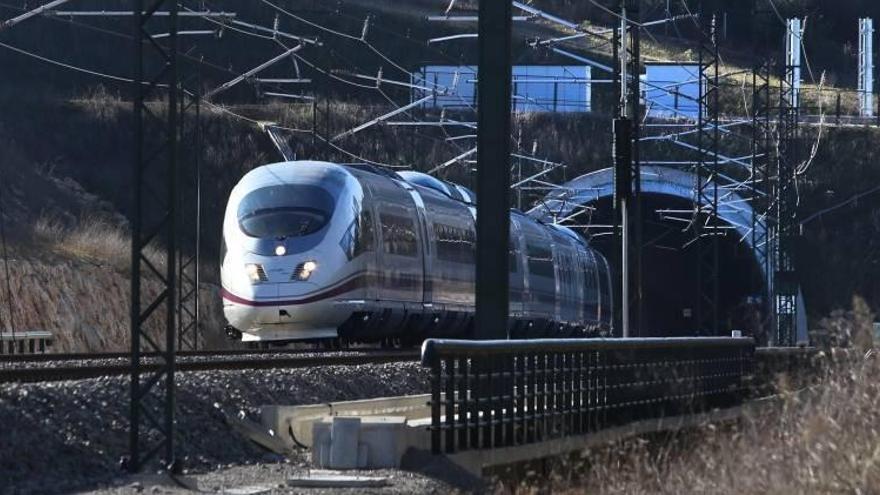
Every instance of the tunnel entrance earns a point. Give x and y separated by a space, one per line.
669 273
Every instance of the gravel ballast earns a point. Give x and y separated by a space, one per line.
70 435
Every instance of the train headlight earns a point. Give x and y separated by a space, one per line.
280 250
304 270
255 272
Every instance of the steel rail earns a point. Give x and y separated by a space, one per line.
83 356
59 373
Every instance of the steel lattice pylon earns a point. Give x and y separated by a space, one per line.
785 284
154 234
761 177
705 224
189 223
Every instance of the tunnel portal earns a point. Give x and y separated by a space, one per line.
669 256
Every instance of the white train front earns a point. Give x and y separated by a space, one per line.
315 250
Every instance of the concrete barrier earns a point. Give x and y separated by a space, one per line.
293 424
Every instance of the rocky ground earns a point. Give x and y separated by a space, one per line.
272 479
69 436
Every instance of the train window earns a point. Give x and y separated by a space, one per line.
540 260
398 235
359 237
289 210
366 237
455 244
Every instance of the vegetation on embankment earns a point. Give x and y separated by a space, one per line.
75 281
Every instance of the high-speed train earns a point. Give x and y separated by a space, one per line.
316 250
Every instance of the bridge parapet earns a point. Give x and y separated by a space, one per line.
511 393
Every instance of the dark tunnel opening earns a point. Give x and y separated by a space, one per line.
669 274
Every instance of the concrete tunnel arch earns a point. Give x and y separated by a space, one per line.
667 294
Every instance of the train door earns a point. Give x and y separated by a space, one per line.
424 229
556 250
603 294
580 276
592 290
364 249
400 254
515 270
566 284
542 275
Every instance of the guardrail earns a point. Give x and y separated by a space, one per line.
505 393
29 342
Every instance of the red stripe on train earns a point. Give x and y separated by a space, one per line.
351 284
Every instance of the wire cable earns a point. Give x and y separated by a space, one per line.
65 65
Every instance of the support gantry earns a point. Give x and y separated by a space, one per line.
785 282
761 181
154 271
705 224
189 219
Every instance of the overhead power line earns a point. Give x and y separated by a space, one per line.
27 15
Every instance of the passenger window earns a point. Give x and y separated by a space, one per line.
540 261
398 235
359 236
455 244
366 238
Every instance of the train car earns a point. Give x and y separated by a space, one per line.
317 250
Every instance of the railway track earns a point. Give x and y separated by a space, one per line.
84 366
12 358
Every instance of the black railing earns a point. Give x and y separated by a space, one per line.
491 394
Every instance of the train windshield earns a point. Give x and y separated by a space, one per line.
289 210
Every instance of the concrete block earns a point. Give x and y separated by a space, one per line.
321 444
381 442
293 424
344 439
383 436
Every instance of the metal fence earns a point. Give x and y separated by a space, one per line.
27 342
491 394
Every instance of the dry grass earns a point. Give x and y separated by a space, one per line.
823 440
79 288
92 239
104 105
85 306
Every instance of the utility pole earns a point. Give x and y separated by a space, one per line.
627 173
866 67
493 169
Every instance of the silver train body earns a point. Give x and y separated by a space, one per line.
316 250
